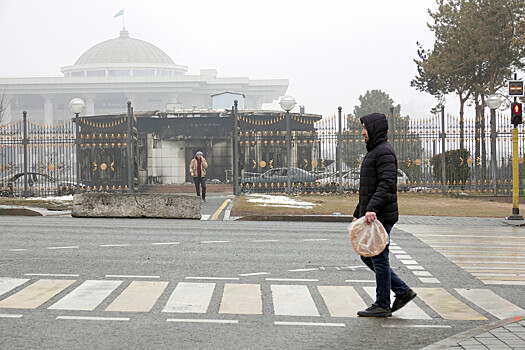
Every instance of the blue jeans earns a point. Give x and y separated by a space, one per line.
386 279
200 182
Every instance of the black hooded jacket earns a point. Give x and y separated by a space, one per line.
378 183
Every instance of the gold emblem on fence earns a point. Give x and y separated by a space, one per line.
51 167
262 164
103 166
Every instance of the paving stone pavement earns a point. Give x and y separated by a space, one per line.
504 334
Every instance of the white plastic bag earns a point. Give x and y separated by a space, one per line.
368 239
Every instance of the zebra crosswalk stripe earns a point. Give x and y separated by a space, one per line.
190 298
293 300
7 284
139 296
446 305
241 299
341 301
35 294
491 302
87 296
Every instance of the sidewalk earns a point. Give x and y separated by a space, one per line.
504 334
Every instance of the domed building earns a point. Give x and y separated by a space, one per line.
123 69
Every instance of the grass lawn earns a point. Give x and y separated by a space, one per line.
409 204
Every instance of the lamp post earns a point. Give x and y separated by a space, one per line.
494 102
288 103
76 106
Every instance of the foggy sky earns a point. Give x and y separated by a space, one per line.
331 51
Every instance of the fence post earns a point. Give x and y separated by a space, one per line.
288 154
339 151
129 149
77 146
235 149
493 156
443 150
25 142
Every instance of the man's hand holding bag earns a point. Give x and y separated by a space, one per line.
368 239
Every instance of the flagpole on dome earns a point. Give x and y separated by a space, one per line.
121 13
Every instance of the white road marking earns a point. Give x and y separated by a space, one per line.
303 270
114 245
415 267
52 274
293 279
505 283
491 302
341 301
205 217
193 320
190 298
401 256
413 326
429 280
315 239
10 316
214 278
130 276
165 243
7 284
87 296
139 296
319 324
17 250
206 242
91 318
69 247
409 262
241 299
293 300
35 294
265 240
254 274
361 281
422 273
410 312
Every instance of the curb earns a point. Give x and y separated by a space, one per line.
471 333
19 211
314 218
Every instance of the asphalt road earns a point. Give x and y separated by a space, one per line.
218 285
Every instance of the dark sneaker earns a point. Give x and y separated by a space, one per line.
204 200
375 311
402 300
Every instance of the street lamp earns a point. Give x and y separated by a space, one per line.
494 102
76 106
288 103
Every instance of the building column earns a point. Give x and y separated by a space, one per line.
90 105
48 109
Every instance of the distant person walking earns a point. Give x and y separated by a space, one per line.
378 199
198 166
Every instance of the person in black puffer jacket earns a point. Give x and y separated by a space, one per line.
378 200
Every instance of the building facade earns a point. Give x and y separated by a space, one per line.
116 71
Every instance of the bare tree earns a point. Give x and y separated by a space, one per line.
3 107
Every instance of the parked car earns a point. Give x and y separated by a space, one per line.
299 178
38 185
351 181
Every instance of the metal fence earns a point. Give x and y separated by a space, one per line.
66 157
37 159
325 155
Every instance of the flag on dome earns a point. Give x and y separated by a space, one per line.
120 13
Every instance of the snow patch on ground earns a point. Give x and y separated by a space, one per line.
55 199
279 201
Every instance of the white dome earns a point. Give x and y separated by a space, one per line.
124 50
125 55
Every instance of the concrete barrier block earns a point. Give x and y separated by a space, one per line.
136 205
